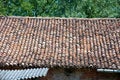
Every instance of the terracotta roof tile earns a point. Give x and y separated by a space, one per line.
62 42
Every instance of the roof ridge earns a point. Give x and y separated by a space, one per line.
56 17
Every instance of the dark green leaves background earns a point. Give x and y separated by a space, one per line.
61 8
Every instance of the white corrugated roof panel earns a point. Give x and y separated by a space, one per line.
22 74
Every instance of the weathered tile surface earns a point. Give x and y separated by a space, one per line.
60 42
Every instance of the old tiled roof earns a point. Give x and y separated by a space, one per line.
62 42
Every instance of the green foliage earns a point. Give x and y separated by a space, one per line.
61 8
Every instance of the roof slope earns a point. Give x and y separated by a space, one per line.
63 42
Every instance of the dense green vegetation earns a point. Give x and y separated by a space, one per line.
61 8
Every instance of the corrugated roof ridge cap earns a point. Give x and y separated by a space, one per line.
23 69
57 17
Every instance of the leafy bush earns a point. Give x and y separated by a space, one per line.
61 8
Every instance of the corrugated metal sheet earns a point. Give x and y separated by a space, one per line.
22 74
108 70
